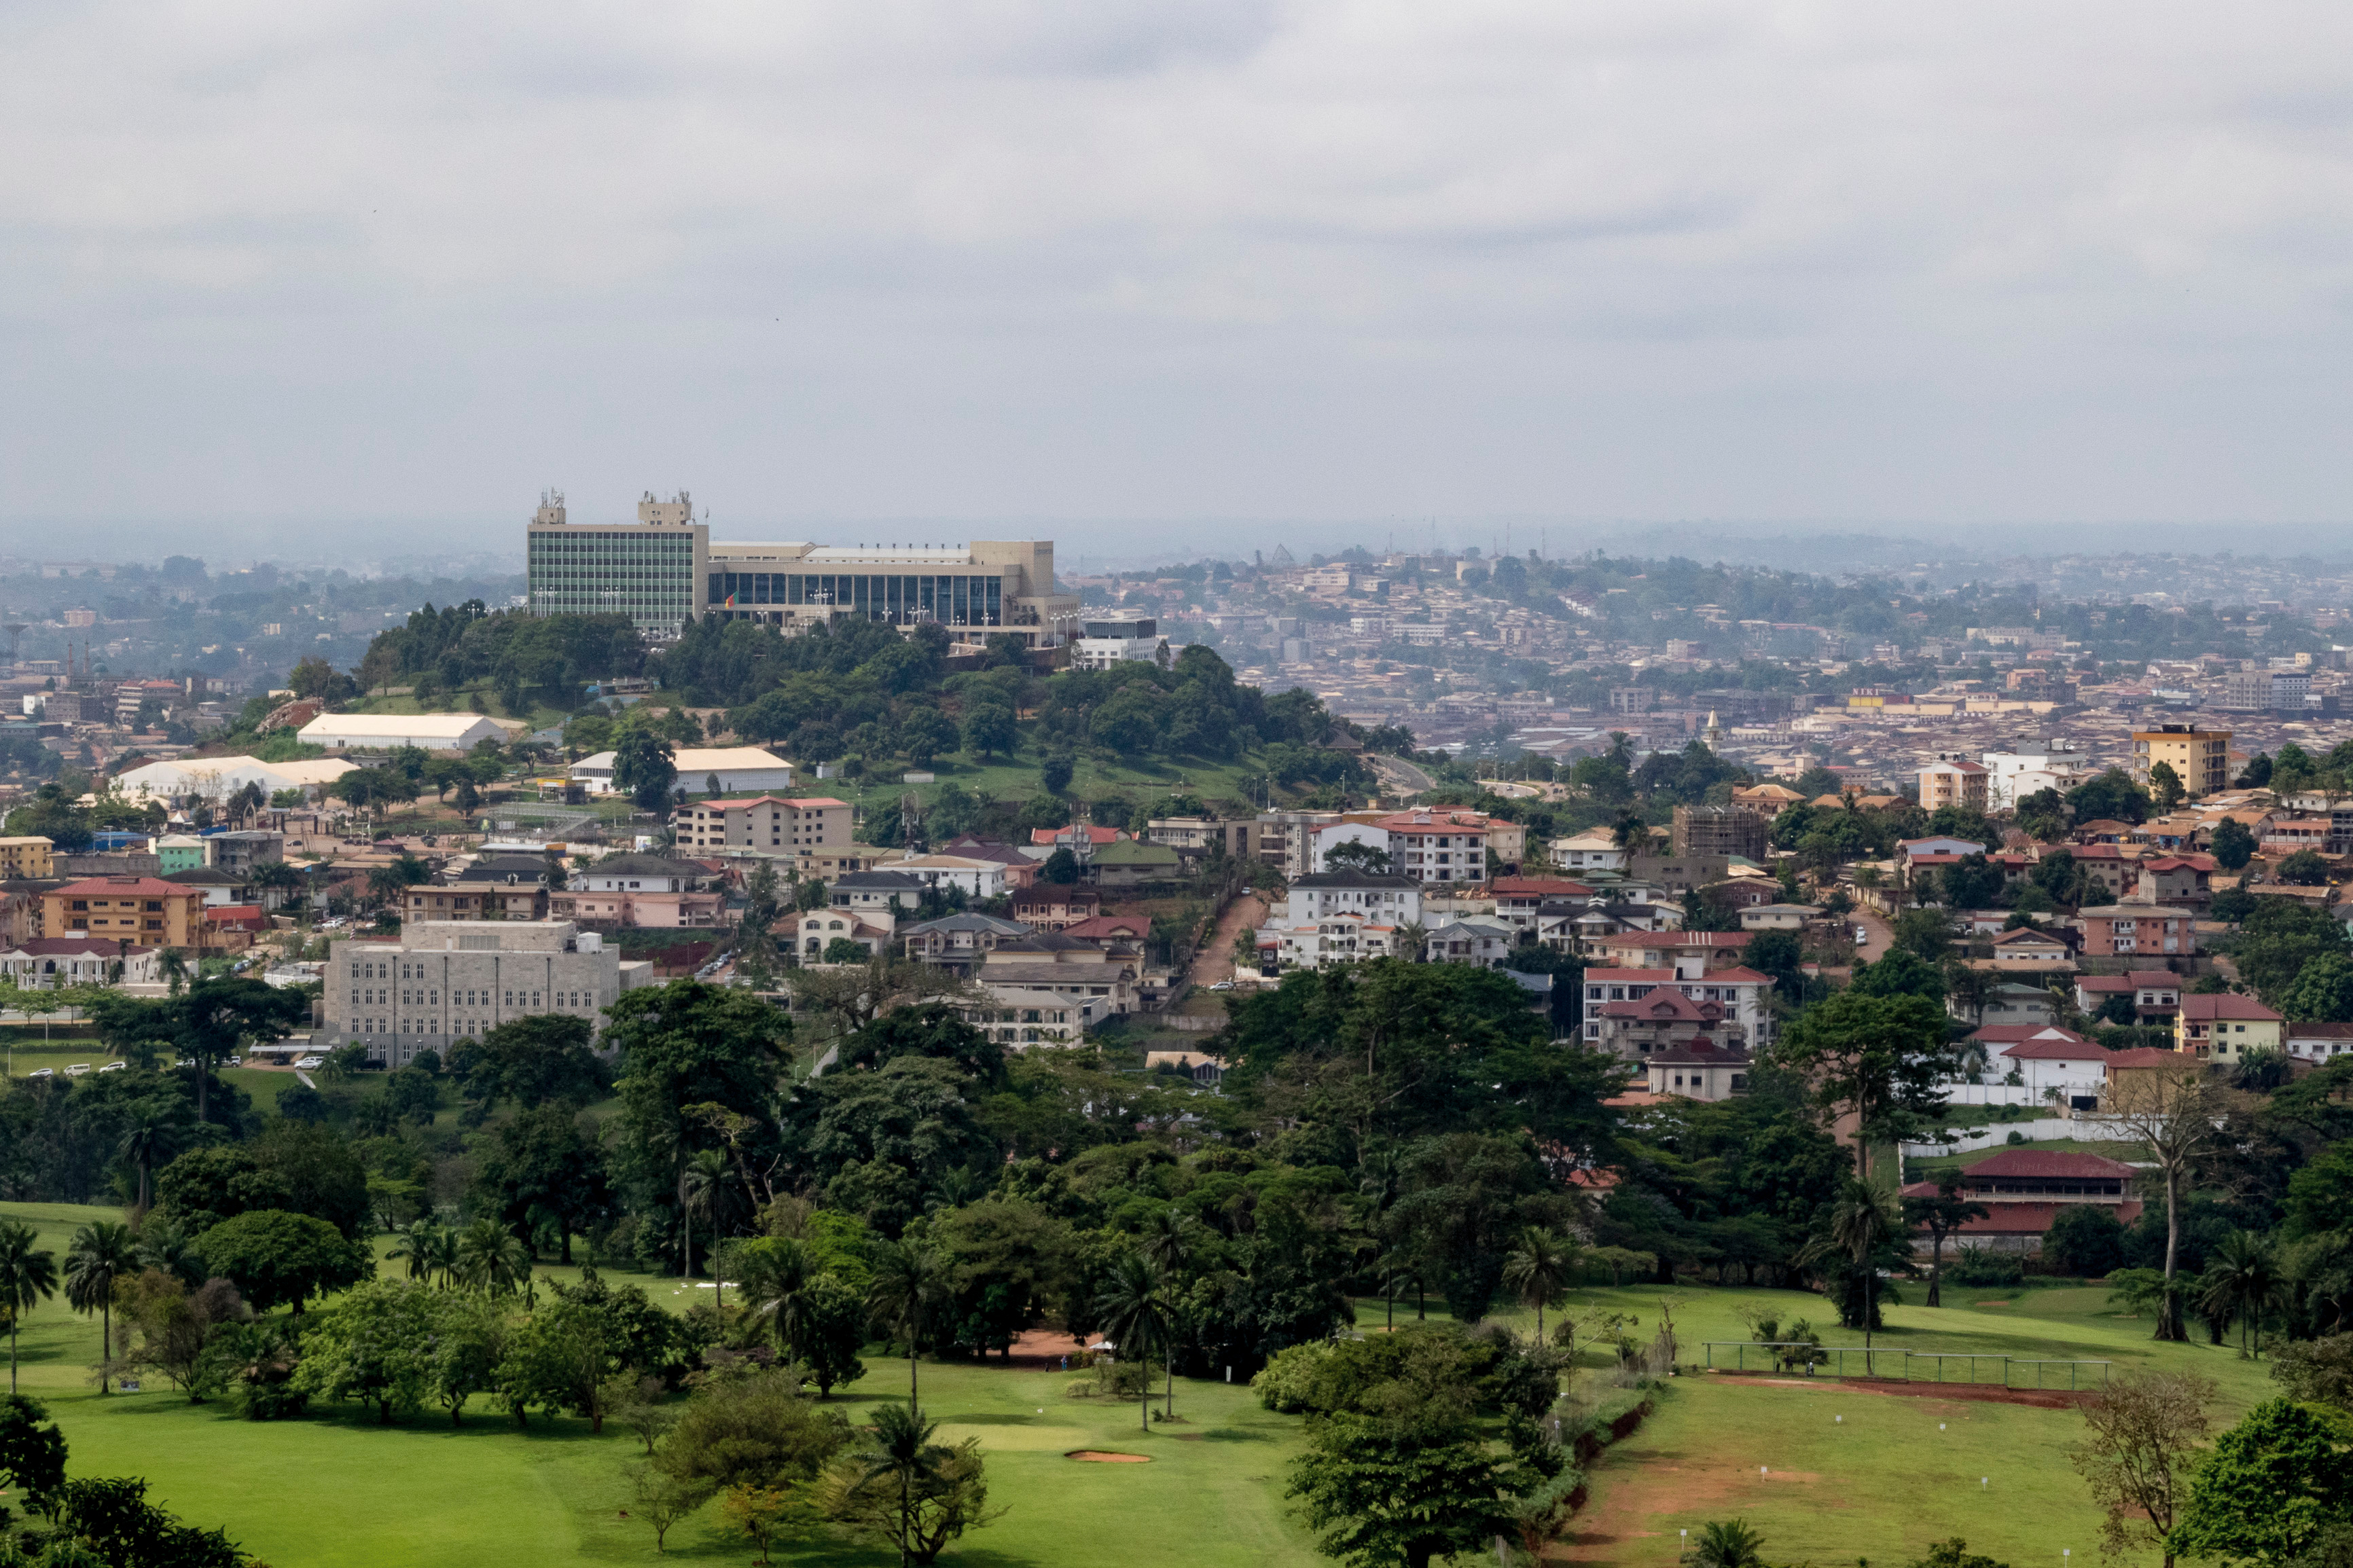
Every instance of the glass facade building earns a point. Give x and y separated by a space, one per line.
952 599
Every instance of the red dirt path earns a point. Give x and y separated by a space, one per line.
2038 1398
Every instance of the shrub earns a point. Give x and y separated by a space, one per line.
2085 1239
1975 1266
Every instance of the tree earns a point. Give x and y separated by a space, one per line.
2141 1434
1054 773
910 1278
2241 1282
216 1019
1941 1213
1881 1059
756 943
1726 1544
750 1427
2085 1239
544 1166
28 1276
2171 1109
470 1344
1060 868
1353 855
645 769
2304 869
32 1451
99 1254
279 1259
989 728
1537 1268
904 1484
1862 1224
491 1260
147 1143
376 1346
663 1500
541 1058
759 1513
175 1324
1134 1309
2165 787
1378 1493
2233 845
925 733
2113 797
2270 1489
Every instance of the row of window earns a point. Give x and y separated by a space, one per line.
953 600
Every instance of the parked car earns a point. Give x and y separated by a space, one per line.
311 1062
1222 985
42 1072
233 1061
116 1066
1862 936
77 1069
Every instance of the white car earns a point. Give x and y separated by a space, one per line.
311 1062
1222 985
229 1062
42 1072
77 1069
1862 936
116 1066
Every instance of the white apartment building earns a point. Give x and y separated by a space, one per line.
2012 777
1392 901
774 824
440 982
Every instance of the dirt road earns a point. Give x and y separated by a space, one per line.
1215 962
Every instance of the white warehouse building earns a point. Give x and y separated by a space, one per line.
382 732
738 769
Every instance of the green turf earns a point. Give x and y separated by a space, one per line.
1857 1474
337 1489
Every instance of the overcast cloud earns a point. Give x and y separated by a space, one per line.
1146 272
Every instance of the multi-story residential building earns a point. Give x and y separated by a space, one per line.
1019 1018
1768 800
2012 777
142 909
2265 691
2139 930
1741 1012
1046 906
1103 644
1705 830
978 879
28 856
442 981
1389 901
958 940
1699 1069
876 891
2156 994
1066 966
1426 846
242 852
775 825
47 962
1481 940
1953 780
494 888
2046 1057
1339 938
2200 758
2224 1029
1520 901
870 930
650 891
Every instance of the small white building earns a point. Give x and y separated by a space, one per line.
1101 644
1392 901
1333 939
382 732
2012 777
739 770
1595 849
2047 1057
820 929
1778 917
980 879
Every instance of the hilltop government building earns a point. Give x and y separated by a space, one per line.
664 568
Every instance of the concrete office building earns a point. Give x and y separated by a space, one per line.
1103 644
444 980
664 568
2200 758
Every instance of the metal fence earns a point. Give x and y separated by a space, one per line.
1803 1358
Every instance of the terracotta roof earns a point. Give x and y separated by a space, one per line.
124 886
2206 1009
2074 1048
1102 926
1666 1004
2320 1031
1703 1053
1094 833
1543 886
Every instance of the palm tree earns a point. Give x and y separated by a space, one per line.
147 1145
909 1276
777 1278
28 1276
902 1448
1727 1545
1169 1240
705 1185
490 1259
418 1244
1537 1268
1133 1307
166 1245
2242 1282
99 1253
1862 1220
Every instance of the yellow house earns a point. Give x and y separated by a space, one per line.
27 857
2224 1029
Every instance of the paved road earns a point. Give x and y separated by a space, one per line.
1400 775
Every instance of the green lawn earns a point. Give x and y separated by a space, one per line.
339 1489
1847 1474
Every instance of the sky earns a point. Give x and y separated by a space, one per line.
1163 277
